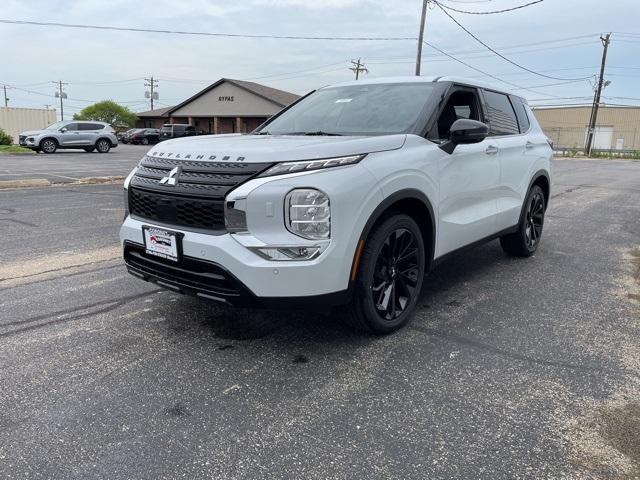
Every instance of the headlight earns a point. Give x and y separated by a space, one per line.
308 213
307 165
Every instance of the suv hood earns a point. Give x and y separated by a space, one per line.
29 133
272 148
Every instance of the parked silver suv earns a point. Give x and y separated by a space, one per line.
88 136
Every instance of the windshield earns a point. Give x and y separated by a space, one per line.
377 109
57 125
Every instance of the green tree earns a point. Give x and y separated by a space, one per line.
108 111
5 138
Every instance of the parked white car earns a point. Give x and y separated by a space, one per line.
88 136
347 197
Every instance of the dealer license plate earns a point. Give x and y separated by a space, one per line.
161 243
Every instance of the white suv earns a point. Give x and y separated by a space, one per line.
347 197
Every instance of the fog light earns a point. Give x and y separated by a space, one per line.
308 213
288 253
235 216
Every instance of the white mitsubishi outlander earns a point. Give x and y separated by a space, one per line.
347 197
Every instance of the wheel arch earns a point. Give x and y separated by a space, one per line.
103 138
48 137
542 179
411 202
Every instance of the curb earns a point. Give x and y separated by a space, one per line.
42 182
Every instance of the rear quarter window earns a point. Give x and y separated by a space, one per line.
521 112
501 115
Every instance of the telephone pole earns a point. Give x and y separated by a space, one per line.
6 99
596 99
151 93
60 93
358 67
423 18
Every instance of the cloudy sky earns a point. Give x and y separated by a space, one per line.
557 38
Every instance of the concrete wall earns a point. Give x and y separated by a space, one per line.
16 120
566 126
228 100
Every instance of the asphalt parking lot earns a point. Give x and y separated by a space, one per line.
67 166
511 369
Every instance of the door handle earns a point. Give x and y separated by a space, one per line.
491 150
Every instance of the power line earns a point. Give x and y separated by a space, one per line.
206 34
494 11
497 53
495 77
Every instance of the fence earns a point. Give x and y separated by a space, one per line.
16 120
606 138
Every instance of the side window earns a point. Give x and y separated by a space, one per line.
89 126
521 112
71 127
502 117
460 104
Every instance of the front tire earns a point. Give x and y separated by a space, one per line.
524 242
49 145
145 141
389 276
103 145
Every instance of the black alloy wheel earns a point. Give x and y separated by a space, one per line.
395 275
388 276
525 240
534 219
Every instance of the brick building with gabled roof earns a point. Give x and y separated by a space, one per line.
226 106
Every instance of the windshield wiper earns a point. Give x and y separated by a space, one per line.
263 132
318 133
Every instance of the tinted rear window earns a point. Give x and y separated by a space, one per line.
502 117
90 126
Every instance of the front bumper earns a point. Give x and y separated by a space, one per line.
252 275
210 281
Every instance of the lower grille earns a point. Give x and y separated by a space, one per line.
190 276
182 211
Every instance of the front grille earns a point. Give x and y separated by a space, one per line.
22 139
196 201
190 275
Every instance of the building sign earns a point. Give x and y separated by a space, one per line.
225 98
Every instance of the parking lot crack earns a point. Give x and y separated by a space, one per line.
459 339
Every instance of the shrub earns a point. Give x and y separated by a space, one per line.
5 138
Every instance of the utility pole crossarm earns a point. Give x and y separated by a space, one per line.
152 84
358 67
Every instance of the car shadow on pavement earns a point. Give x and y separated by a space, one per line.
196 317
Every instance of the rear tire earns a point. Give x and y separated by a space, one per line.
103 145
48 145
524 242
389 276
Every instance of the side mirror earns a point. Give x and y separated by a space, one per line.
63 129
465 132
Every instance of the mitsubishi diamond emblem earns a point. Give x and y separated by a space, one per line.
172 178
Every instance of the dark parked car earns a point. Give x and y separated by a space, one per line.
177 130
144 136
124 136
